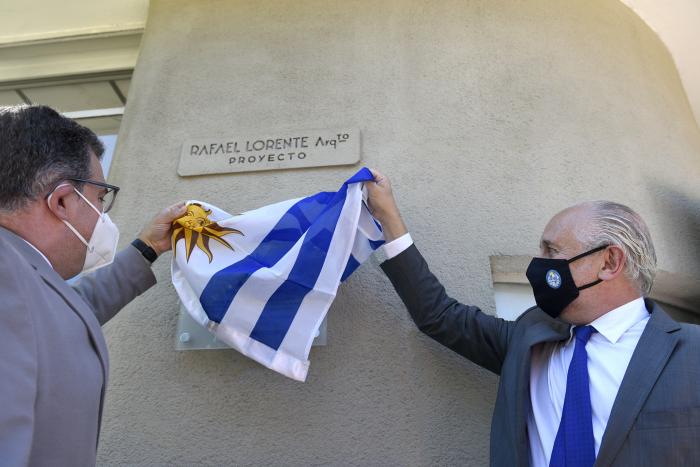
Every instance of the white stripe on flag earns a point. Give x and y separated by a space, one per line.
248 303
315 305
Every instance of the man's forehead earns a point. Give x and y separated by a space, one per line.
561 231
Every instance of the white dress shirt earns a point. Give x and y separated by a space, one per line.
396 246
609 352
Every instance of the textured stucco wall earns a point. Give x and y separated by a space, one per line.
489 116
676 23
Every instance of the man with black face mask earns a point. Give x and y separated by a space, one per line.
595 373
53 226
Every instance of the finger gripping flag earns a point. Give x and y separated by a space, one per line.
263 281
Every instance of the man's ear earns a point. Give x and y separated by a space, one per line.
614 262
58 200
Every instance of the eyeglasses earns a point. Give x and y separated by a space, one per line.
107 198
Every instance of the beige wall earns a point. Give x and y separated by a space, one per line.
489 117
677 23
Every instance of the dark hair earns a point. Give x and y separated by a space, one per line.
40 147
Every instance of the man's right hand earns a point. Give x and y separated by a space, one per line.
157 234
383 207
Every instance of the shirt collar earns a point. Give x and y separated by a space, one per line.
613 324
37 250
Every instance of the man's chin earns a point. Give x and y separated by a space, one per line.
568 315
571 316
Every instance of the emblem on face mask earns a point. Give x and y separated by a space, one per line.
553 279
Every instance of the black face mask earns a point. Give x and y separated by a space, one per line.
552 283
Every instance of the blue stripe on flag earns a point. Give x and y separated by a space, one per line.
319 215
352 265
225 284
282 307
362 175
375 243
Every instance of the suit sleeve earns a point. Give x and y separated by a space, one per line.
481 338
18 366
111 288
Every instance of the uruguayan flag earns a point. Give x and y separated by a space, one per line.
262 281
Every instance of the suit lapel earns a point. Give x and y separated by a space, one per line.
648 360
70 296
78 305
545 329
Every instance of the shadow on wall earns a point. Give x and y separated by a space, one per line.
679 215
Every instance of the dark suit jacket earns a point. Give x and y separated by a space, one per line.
655 419
53 357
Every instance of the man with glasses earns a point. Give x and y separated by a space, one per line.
53 226
596 372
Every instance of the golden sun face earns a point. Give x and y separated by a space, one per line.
196 229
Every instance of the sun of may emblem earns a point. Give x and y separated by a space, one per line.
196 229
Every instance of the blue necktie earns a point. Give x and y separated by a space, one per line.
574 444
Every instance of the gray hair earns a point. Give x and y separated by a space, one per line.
38 148
616 224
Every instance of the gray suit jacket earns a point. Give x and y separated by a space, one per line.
655 419
53 357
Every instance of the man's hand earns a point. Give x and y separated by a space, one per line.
382 205
157 233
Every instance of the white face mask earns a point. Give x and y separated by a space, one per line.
102 246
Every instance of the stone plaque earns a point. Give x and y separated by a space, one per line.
281 150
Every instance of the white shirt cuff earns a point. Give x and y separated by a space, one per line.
395 247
